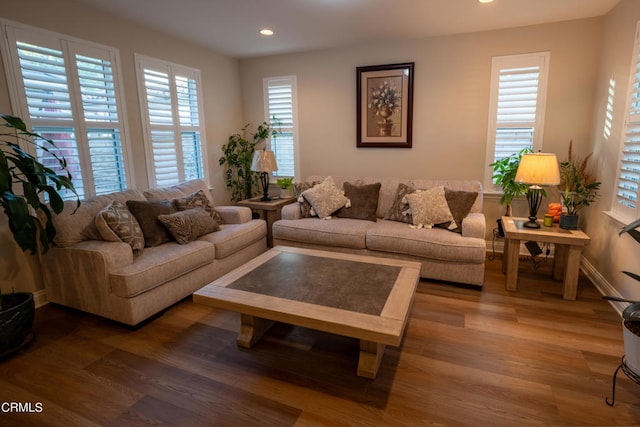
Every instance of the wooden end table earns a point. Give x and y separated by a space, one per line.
566 261
268 211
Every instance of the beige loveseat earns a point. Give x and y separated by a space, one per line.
445 255
105 278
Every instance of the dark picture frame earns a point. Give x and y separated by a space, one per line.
384 105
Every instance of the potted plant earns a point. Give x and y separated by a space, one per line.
29 217
579 189
631 314
286 187
241 181
504 174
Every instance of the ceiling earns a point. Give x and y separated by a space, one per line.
231 26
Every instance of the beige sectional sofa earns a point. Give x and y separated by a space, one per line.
106 278
445 255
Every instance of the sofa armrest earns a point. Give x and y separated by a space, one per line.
290 211
474 225
234 214
78 276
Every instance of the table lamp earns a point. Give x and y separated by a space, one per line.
264 161
537 169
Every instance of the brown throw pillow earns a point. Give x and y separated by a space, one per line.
364 201
305 206
147 212
198 199
116 224
460 204
400 209
186 226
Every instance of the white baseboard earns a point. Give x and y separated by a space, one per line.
602 284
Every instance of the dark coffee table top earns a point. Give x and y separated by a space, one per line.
352 295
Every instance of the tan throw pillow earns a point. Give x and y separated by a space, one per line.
147 212
298 189
198 199
429 207
460 204
364 201
186 226
116 224
325 198
400 209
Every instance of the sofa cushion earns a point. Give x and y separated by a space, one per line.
234 237
400 211
159 265
429 207
325 198
435 243
116 224
460 203
339 232
363 201
299 188
186 226
181 190
75 226
147 212
198 199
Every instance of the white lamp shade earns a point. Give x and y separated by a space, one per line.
538 169
264 161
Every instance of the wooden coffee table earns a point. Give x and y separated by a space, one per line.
357 296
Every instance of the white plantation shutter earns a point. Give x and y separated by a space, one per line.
516 115
626 200
280 100
170 99
518 91
68 91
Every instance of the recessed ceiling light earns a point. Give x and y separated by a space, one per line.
266 32
485 1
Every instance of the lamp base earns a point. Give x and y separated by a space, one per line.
532 223
264 179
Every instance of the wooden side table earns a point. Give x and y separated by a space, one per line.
268 211
568 248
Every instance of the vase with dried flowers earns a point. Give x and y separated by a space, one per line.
578 188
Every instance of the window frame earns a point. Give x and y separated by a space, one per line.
292 80
498 63
10 33
173 70
623 213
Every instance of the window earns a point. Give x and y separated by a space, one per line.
516 111
170 101
626 199
68 91
280 106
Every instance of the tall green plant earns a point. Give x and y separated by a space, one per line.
29 214
504 176
241 181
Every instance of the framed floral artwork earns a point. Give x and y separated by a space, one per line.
384 108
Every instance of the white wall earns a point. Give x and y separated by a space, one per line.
451 100
609 253
221 86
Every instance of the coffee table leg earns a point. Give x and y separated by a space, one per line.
252 329
370 358
513 258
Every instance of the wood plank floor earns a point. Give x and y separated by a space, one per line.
469 358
